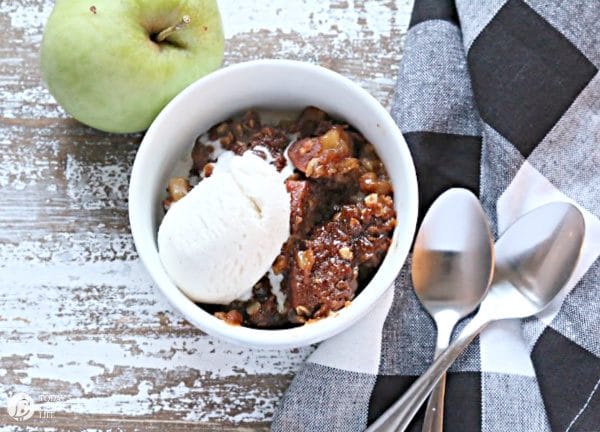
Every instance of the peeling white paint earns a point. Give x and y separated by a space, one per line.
98 188
27 16
352 19
59 338
56 247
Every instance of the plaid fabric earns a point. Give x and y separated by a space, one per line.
503 98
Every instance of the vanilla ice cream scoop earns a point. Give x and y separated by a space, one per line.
223 236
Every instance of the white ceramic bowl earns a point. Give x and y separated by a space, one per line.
272 84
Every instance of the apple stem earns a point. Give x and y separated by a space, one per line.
185 20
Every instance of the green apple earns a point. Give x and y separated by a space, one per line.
114 64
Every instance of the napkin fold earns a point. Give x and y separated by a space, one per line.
503 98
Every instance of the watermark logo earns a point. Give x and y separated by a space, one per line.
20 407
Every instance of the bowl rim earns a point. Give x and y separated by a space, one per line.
311 332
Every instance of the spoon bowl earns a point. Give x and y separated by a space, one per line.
535 258
453 256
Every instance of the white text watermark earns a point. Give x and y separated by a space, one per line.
22 407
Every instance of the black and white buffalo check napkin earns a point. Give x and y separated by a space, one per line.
501 97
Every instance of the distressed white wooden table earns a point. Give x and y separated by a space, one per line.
83 332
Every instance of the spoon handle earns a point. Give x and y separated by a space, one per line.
434 413
401 413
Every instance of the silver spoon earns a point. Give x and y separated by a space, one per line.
535 257
452 267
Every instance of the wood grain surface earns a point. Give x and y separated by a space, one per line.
82 329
